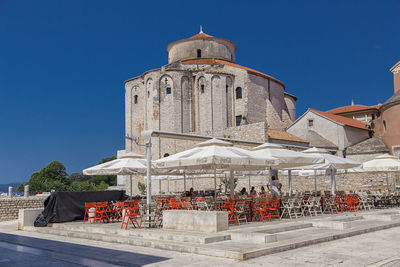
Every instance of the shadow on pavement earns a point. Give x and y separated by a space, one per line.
72 253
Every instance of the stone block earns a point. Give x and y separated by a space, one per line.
26 217
195 220
255 238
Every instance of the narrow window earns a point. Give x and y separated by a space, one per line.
198 52
238 120
202 88
168 90
135 99
310 123
148 93
238 93
384 125
226 89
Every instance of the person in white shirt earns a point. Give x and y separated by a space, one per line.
274 187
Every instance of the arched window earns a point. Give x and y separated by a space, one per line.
198 52
135 99
238 92
202 88
168 90
166 155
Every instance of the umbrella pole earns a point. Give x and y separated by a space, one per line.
184 182
148 186
387 181
131 178
290 182
333 185
231 184
215 188
315 182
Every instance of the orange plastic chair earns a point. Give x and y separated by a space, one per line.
102 212
273 209
260 209
88 205
229 206
130 215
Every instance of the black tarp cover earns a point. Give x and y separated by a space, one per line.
69 206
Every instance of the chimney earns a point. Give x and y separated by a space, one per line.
396 77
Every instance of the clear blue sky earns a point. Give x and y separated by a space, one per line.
63 63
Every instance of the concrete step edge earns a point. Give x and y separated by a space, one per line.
159 244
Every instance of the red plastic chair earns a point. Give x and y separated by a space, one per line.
88 205
130 215
260 210
273 209
102 212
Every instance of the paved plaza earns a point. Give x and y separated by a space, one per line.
26 248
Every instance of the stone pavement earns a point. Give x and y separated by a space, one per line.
239 242
21 248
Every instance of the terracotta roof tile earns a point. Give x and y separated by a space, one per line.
352 108
283 135
342 120
201 36
227 63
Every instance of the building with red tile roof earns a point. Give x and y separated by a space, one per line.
329 130
361 113
202 89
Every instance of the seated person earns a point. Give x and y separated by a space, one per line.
263 192
243 191
253 191
190 193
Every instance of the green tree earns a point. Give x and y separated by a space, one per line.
53 176
108 179
79 177
142 188
102 186
21 188
227 184
82 186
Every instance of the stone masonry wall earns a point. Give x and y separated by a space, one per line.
344 182
9 207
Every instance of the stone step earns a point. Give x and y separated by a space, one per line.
238 250
201 249
153 234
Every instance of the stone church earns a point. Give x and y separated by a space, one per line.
203 91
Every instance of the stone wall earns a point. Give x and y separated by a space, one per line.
344 182
9 207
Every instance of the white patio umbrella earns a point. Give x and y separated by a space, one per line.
287 158
331 163
216 155
382 164
128 164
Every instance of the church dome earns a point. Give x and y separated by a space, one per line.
201 45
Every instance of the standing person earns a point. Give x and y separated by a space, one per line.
274 186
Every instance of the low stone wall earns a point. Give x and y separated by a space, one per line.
9 207
344 182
